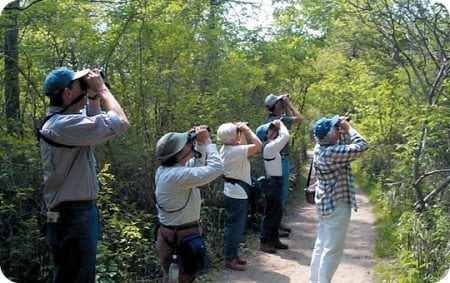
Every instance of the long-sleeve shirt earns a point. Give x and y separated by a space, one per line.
335 181
70 173
177 194
287 121
271 152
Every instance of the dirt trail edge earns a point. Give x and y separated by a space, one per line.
293 265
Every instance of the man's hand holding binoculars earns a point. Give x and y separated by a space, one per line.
202 134
343 124
96 85
242 126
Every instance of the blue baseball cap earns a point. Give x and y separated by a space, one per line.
261 131
58 79
323 126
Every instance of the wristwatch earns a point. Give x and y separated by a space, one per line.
95 97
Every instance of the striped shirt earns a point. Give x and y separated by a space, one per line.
335 182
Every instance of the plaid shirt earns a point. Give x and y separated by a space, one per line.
334 177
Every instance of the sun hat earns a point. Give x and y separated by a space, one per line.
169 145
270 100
58 79
323 126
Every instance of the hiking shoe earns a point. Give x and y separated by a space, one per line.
283 234
234 265
241 261
279 245
267 248
285 228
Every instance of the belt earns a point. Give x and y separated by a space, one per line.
275 177
69 205
182 227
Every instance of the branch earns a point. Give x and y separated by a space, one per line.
8 7
416 183
419 205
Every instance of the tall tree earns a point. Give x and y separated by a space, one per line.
11 77
416 37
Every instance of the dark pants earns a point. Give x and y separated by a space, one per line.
273 213
73 242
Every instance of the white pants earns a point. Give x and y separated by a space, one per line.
329 245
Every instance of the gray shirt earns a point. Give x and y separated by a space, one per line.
70 173
176 186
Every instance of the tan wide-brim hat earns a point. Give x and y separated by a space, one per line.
169 145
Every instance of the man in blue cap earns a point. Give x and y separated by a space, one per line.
337 144
281 107
73 126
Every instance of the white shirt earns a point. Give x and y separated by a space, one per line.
236 166
271 150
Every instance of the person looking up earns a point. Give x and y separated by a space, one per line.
274 136
74 125
234 153
337 145
187 161
281 107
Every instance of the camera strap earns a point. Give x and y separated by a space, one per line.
262 152
310 170
174 210
39 135
247 187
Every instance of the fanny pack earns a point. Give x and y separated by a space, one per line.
194 255
192 252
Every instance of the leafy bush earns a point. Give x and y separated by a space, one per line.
126 249
23 256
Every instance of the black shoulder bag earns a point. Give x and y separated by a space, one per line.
192 248
247 187
310 190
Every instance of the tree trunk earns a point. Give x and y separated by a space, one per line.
12 103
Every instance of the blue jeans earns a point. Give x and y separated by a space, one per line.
286 169
235 225
272 214
73 243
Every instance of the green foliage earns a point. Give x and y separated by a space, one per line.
22 255
421 246
126 248
172 64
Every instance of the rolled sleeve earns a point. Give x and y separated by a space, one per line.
115 123
82 130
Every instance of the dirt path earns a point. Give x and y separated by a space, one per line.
293 265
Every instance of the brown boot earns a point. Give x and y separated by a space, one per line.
241 261
234 265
